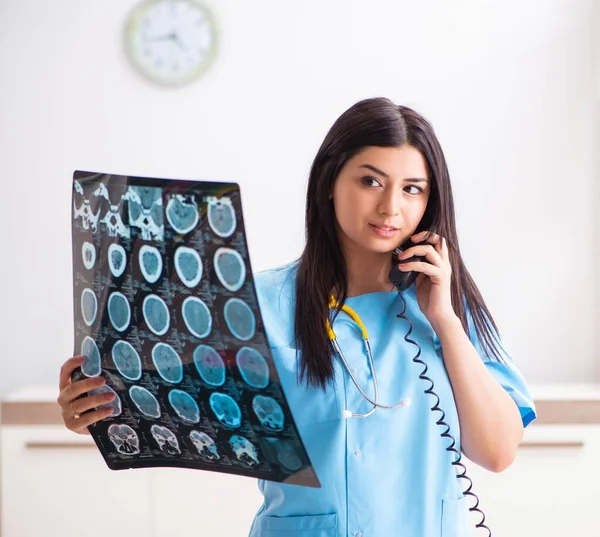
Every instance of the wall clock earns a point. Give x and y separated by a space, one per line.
171 42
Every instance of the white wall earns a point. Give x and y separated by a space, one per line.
596 152
512 88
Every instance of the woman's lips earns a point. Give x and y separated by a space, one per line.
384 231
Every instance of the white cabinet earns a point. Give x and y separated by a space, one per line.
55 483
552 488
195 502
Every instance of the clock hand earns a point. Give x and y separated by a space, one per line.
162 37
179 42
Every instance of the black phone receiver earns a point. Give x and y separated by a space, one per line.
403 280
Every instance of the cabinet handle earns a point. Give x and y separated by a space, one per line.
553 444
59 445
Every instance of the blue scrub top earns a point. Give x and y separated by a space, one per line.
388 474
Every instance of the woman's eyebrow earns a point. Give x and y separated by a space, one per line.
383 174
374 169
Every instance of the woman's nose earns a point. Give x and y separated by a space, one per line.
390 205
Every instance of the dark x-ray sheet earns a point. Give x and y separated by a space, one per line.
165 309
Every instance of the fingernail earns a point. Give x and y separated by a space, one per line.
80 359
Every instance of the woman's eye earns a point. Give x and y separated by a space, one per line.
370 181
417 190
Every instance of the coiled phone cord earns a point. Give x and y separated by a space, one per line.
446 434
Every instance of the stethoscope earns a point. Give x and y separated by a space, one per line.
365 336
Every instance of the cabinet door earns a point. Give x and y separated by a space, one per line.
55 482
196 502
551 489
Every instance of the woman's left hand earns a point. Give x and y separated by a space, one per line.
433 282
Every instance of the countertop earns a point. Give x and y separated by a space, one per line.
555 403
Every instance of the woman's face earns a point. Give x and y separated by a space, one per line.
379 198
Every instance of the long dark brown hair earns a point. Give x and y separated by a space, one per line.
322 267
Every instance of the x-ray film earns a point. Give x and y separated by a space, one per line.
165 309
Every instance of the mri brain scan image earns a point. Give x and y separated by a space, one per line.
221 216
117 260
185 406
253 367
151 263
91 366
127 360
113 223
145 401
82 208
124 438
285 453
226 410
146 212
156 314
230 268
269 412
210 365
244 450
188 266
89 306
119 311
196 316
240 319
88 255
205 445
167 313
167 362
115 404
182 213
166 440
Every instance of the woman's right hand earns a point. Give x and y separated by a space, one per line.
74 410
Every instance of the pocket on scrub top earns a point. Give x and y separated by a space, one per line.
455 518
302 526
309 405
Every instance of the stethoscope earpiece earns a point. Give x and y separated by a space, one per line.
346 414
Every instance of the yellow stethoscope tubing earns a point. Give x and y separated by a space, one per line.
365 336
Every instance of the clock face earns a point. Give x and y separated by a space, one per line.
171 42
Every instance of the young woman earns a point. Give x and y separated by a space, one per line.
379 180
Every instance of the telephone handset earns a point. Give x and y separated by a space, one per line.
403 280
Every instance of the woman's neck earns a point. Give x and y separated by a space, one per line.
368 273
